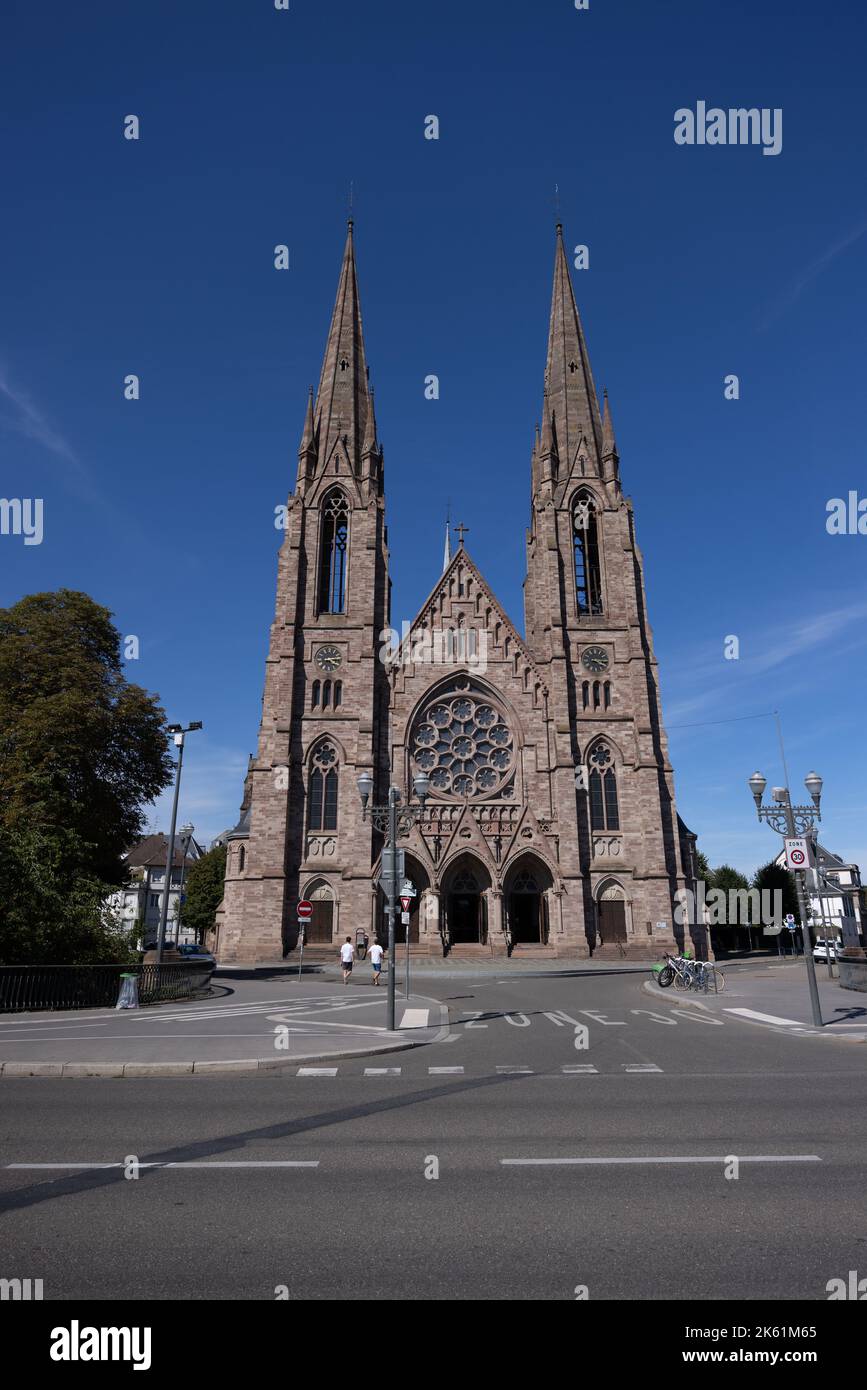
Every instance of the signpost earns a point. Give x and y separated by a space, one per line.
797 853
407 893
304 911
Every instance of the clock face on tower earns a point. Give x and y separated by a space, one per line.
594 658
328 658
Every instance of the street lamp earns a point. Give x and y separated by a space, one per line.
186 835
393 820
792 822
177 731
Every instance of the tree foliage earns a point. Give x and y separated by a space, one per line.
82 750
204 891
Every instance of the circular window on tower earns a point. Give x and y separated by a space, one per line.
464 745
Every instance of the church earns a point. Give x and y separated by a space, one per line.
550 829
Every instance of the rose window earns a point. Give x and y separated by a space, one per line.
464 746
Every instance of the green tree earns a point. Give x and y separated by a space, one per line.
703 870
204 891
773 878
82 750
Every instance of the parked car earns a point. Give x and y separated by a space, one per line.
822 946
197 953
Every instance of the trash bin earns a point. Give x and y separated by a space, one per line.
128 997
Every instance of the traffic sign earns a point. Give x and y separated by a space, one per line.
408 889
406 903
404 917
797 853
790 922
304 910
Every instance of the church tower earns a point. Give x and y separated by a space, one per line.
588 631
325 706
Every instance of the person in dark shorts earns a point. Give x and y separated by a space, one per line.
347 951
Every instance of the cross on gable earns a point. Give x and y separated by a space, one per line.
460 530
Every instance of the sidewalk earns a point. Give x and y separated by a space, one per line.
443 968
250 1026
776 994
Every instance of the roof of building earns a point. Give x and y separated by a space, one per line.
152 851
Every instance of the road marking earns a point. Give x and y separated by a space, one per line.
415 1018
382 1071
245 1163
767 1018
515 1071
560 1018
445 1071
316 1071
585 1069
693 1158
640 1066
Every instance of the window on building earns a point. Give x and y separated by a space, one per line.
338 694
333 554
585 694
326 694
242 858
314 698
588 574
322 789
604 810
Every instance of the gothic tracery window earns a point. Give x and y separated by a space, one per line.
464 745
588 575
333 554
604 809
322 789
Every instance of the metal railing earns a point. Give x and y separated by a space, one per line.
26 988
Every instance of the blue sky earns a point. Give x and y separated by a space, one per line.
156 257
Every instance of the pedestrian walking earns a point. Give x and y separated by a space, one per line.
376 961
347 951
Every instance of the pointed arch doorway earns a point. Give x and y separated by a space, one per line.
465 890
526 893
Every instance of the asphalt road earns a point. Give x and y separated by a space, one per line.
488 1110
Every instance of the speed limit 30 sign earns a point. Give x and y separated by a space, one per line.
797 853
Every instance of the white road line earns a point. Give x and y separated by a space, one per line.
246 1163
767 1018
382 1071
316 1071
640 1066
585 1069
692 1158
415 1018
515 1071
561 1019
445 1071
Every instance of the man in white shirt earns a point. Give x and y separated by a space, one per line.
347 951
376 961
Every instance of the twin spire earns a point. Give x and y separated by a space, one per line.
570 408
342 414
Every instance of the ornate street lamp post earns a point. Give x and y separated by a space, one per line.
178 732
394 821
186 834
792 821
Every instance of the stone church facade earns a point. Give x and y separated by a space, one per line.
550 827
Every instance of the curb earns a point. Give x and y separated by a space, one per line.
246 1065
799 1030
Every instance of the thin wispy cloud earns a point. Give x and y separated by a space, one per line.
793 291
705 681
20 414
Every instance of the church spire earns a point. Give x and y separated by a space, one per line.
447 551
610 456
568 379
307 447
343 399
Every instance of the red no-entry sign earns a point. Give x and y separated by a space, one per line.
304 910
